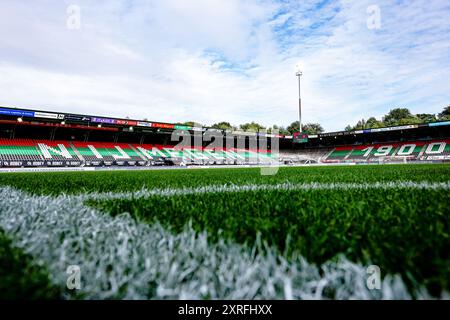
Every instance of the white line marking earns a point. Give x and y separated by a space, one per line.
123 259
169 192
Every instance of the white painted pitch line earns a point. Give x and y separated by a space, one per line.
288 186
121 258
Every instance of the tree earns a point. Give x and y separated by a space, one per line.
272 128
312 128
284 131
360 125
293 127
399 116
280 130
426 117
253 126
445 114
222 125
348 128
372 122
309 128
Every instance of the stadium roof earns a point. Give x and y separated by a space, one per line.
88 120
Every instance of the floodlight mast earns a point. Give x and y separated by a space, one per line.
299 73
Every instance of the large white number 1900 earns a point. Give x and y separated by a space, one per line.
383 151
440 149
368 151
406 149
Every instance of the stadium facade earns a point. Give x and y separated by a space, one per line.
37 138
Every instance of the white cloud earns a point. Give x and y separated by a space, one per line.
211 60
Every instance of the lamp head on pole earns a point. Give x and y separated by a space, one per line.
299 69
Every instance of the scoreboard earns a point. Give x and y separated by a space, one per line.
300 137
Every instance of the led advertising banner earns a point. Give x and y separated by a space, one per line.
438 124
103 120
126 122
144 124
331 134
411 126
163 125
48 115
182 127
16 112
75 117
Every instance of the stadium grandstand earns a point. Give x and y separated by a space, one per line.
32 138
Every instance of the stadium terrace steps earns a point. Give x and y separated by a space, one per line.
339 153
27 152
203 155
412 150
24 149
36 153
306 156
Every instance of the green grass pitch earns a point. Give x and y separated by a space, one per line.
305 232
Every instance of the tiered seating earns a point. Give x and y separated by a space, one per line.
371 152
411 150
118 151
438 150
19 150
204 155
56 150
339 154
306 156
26 152
94 152
414 150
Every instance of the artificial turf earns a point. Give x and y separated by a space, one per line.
20 278
54 183
402 230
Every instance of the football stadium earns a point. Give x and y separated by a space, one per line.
169 150
225 219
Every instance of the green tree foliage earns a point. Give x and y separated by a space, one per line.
445 114
222 125
189 123
293 127
312 128
253 126
360 125
309 128
348 128
426 117
372 122
284 131
399 116
395 117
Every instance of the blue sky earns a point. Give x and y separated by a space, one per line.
226 60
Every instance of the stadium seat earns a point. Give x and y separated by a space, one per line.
338 154
27 152
392 152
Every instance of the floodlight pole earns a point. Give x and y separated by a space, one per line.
299 74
